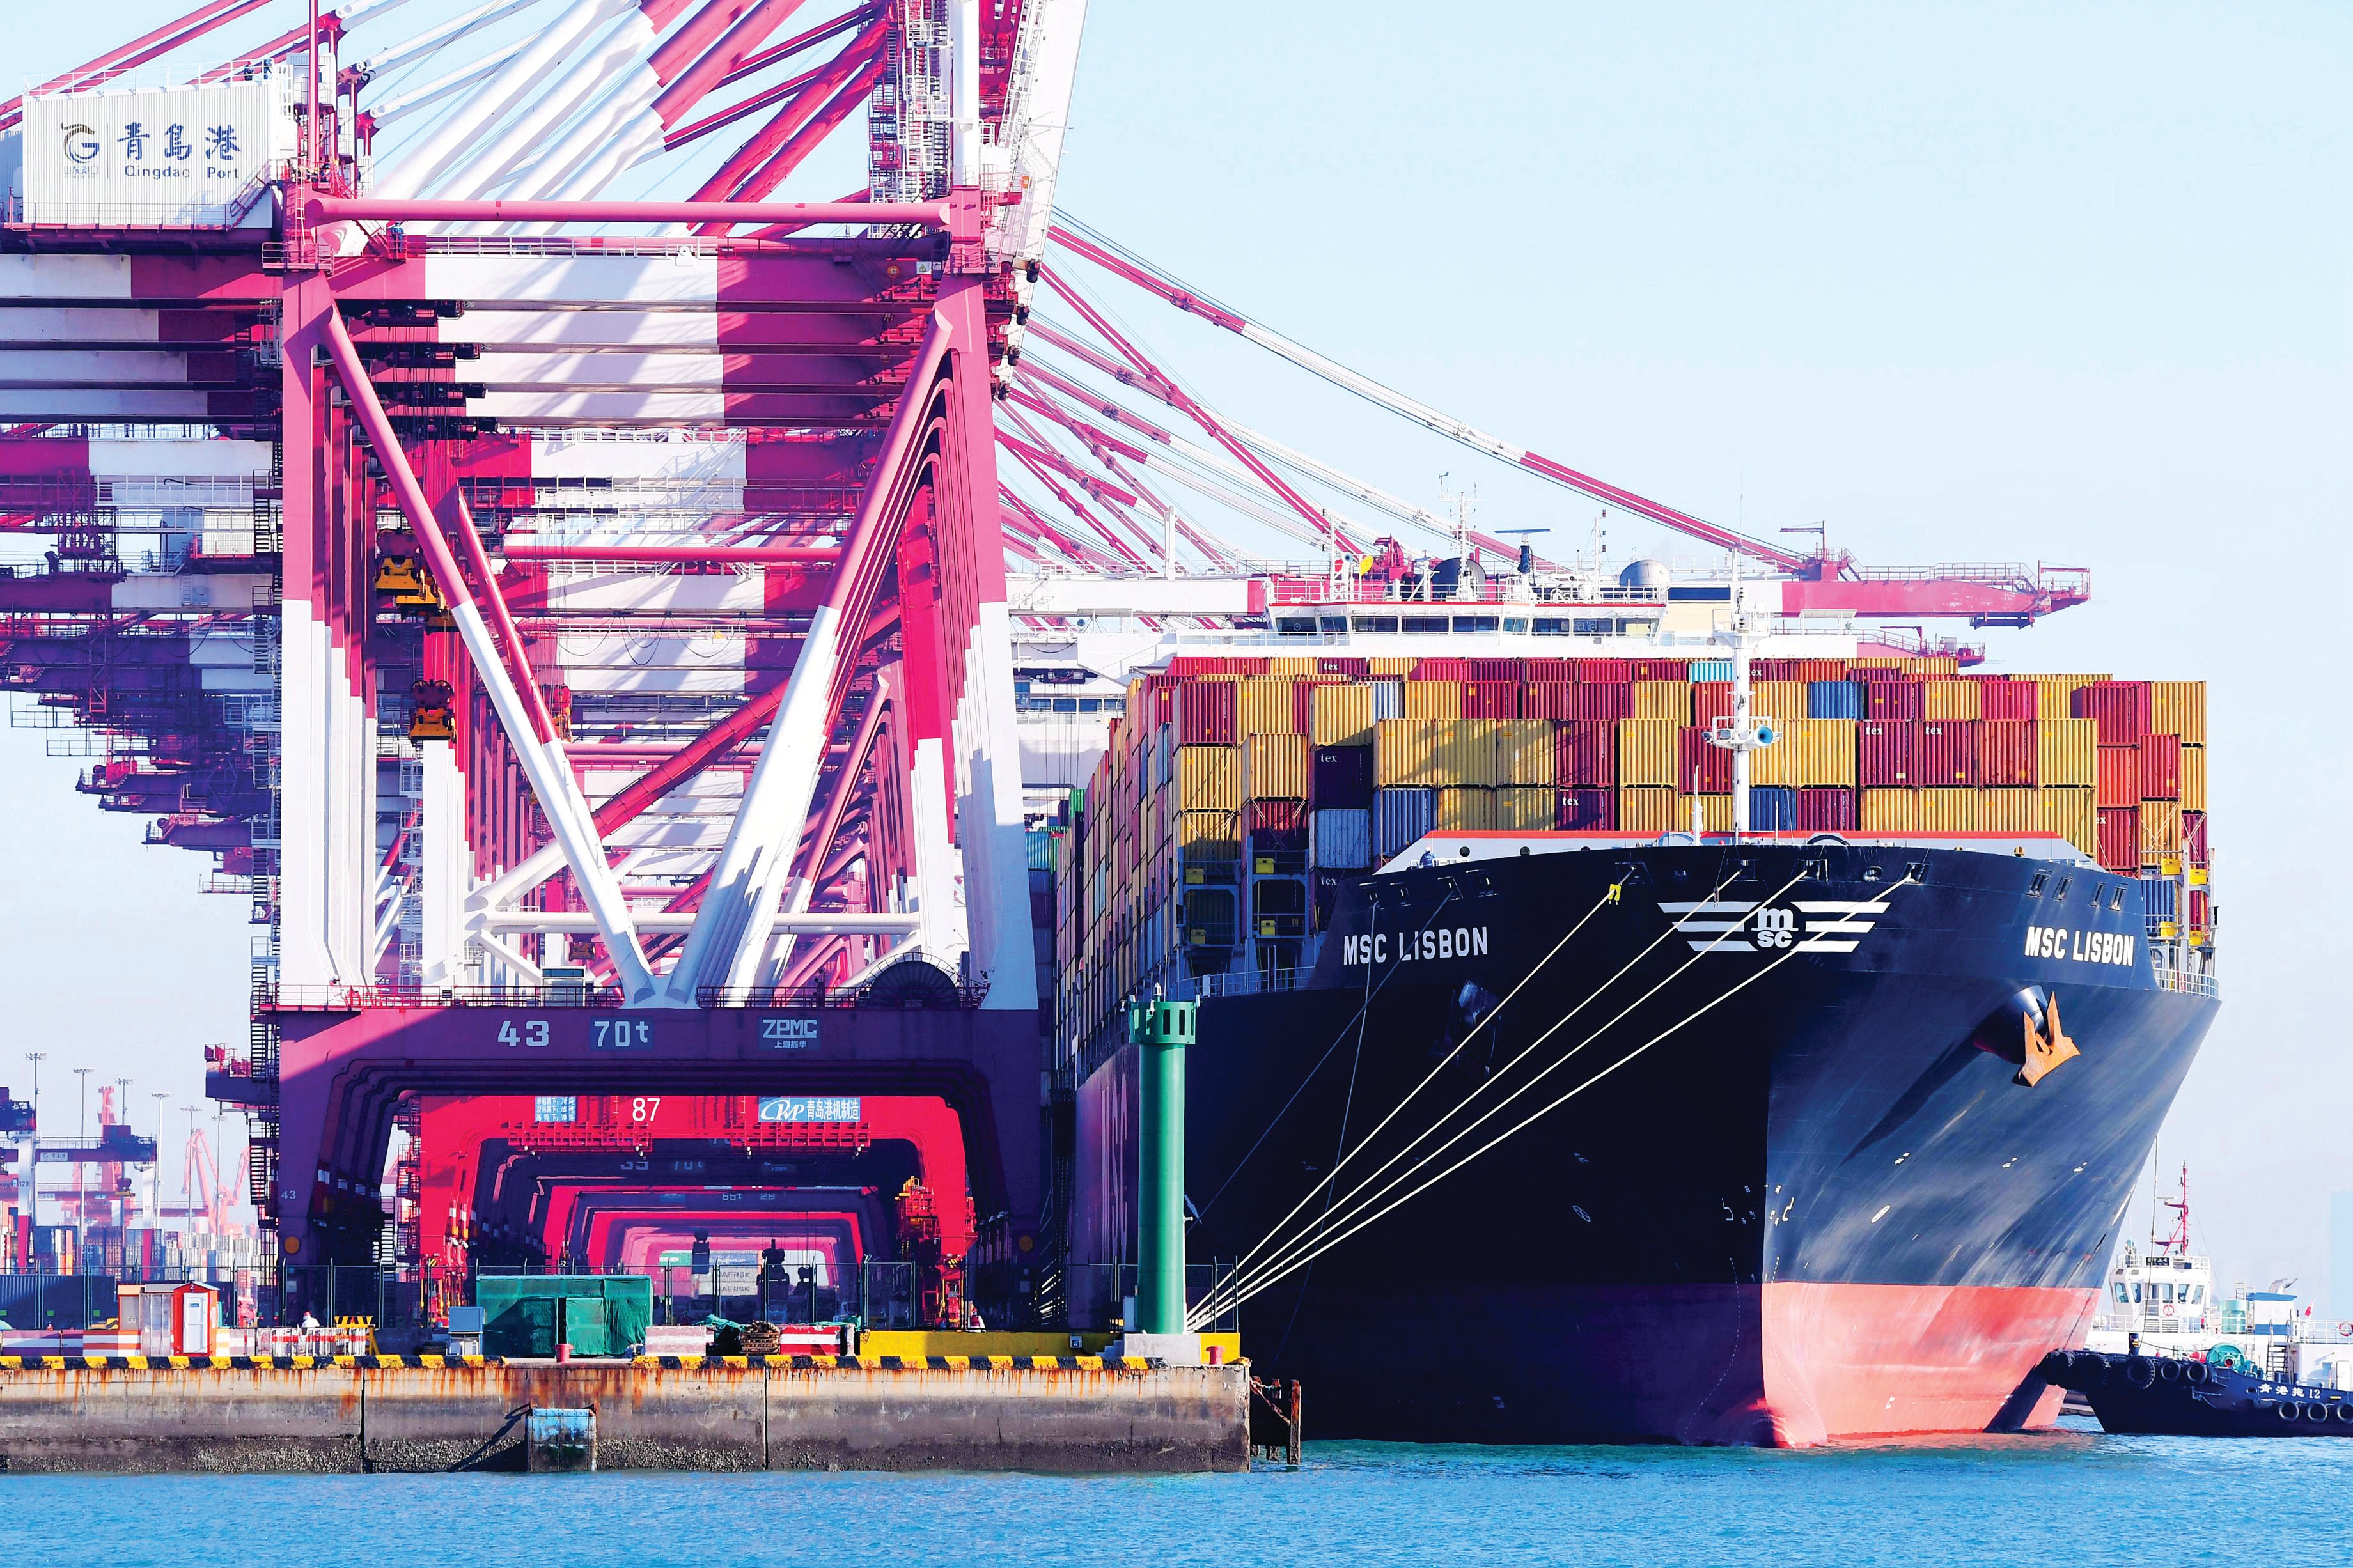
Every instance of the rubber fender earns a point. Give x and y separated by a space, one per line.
2055 1368
2169 1370
2140 1370
2197 1371
2291 1412
2343 1412
2315 1413
2087 1370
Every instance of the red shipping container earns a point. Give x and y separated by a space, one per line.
1348 668
2201 910
1441 669
1700 768
1823 809
1491 698
2120 837
1774 670
1711 700
2006 754
1893 701
2119 776
1812 669
1586 754
1535 671
1603 671
2121 706
1548 700
2160 767
1206 712
1660 669
2193 837
1885 756
1495 669
1602 704
1585 810
1276 827
2010 699
1946 753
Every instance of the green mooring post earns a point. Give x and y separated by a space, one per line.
1160 1030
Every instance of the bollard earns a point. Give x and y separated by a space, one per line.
1160 1030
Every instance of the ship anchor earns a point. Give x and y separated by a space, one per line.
2043 1051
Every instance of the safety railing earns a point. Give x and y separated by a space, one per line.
1239 982
2189 982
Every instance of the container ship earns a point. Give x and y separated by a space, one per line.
1640 1043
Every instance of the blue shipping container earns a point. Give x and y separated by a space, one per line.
1711 669
1834 700
1402 816
2159 897
1343 839
1772 808
1389 698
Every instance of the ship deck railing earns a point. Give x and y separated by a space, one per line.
1241 982
2189 982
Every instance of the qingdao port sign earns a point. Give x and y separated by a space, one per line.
184 157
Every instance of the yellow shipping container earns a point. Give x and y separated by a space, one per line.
1714 813
1466 752
1433 699
1389 666
1783 701
2178 708
2071 813
1951 699
1933 664
1889 810
1290 669
1806 753
1209 835
1405 752
1266 707
1525 810
1668 700
1471 810
1208 778
1524 752
1947 810
2067 750
2193 778
1646 751
1342 715
2161 831
1278 767
1644 810
2006 811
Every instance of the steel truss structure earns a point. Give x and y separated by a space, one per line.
583 627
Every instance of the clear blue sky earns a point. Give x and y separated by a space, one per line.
1967 282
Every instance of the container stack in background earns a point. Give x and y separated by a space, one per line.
1238 794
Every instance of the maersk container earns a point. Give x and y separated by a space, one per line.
1834 698
1343 839
1773 808
1343 777
1401 817
1585 810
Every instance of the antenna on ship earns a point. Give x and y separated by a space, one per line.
1742 732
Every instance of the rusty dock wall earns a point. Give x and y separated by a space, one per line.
1077 1414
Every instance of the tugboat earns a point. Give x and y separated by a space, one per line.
2230 1397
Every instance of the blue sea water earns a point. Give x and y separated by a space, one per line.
2075 1498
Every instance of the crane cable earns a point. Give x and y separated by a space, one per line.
1481 1088
1295 1264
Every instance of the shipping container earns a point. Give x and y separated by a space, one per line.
1490 700
1949 698
1266 706
1278 767
1825 811
2006 811
1946 754
1884 754
1548 700
1205 713
1676 669
2006 752
1208 778
1389 698
1404 752
1710 701
1714 813
1466 810
1389 666
1585 810
1584 754
2008 700
2193 778
1209 842
1273 827
2160 766
2194 846
1700 764
1894 701
1602 702
1783 701
1520 809
1303 701
1401 817
2119 775
1806 753
1647 752
1344 668
1454 671
1708 670
1889 811
1525 752
2120 707
1772 808
1603 672
2119 848
1343 777
1646 810
1834 698
2161 831
2066 754
1291 667
1669 699
1946 810
1341 715
2178 708
1343 839
1433 699
2071 813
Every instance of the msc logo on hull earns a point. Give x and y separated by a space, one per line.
1803 925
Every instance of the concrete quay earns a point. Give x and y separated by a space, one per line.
1103 1415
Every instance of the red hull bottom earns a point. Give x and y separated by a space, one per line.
1778 1365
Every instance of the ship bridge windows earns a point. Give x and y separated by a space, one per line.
1295 626
1476 623
1422 623
1331 625
1374 623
